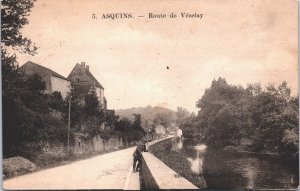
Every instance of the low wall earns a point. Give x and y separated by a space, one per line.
82 146
157 175
95 144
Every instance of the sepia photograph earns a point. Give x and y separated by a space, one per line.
160 94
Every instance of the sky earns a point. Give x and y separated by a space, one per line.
252 41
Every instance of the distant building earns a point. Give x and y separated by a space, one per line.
179 133
83 81
53 80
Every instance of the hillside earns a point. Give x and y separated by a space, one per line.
147 113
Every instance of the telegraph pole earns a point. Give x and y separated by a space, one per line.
147 131
69 122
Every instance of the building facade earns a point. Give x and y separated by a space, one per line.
53 80
83 82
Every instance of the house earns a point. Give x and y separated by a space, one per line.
83 82
53 80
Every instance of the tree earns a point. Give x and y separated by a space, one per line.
284 91
123 125
267 117
56 101
108 117
77 112
254 89
91 105
91 126
163 119
181 115
36 83
16 116
137 123
14 15
272 114
30 93
222 113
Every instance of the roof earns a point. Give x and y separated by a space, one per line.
91 76
39 69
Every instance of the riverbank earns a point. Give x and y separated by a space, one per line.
176 162
293 158
227 169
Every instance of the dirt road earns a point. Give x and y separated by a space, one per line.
107 171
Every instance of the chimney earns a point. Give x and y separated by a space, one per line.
87 68
83 64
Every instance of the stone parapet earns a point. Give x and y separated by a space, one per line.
157 175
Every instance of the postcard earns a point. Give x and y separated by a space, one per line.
161 94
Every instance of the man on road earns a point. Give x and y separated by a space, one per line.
137 155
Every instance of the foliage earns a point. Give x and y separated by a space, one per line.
56 101
109 117
163 119
91 103
181 115
129 131
31 117
137 123
25 124
147 113
228 114
76 112
13 18
91 126
92 120
123 125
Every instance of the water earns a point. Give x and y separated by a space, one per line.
232 170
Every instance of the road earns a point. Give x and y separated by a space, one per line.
107 171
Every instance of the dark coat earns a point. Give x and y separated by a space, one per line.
138 151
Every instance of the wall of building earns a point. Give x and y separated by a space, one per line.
82 82
100 95
60 85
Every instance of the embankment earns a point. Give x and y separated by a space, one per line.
176 162
159 174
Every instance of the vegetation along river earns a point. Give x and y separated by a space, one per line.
219 169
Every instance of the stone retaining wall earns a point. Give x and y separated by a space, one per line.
82 145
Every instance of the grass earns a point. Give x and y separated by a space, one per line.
176 161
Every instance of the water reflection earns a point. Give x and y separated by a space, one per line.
250 173
260 172
197 163
247 168
233 170
189 166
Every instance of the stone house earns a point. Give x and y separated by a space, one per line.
53 80
83 82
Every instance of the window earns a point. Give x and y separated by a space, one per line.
77 79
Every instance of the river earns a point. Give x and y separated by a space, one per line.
234 170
